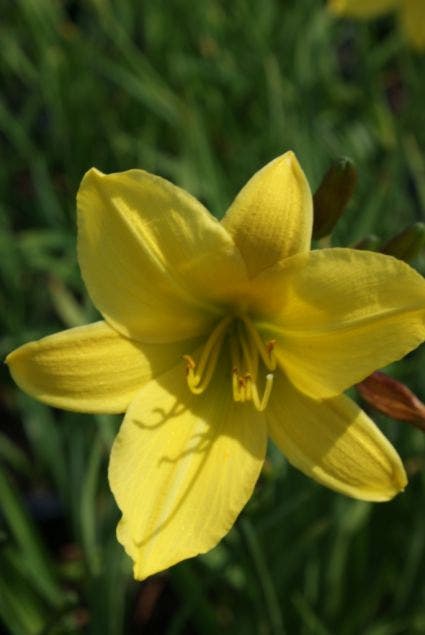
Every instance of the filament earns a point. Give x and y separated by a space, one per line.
265 350
199 375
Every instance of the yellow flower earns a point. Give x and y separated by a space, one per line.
214 336
411 14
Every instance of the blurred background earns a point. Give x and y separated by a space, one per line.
203 94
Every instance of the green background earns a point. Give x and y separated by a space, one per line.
203 94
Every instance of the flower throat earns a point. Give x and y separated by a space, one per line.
252 361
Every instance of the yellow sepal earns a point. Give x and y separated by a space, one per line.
271 217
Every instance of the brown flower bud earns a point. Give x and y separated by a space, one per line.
370 243
332 196
407 244
393 398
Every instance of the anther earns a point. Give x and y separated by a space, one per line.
270 346
190 363
235 385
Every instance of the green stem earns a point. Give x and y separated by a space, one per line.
270 596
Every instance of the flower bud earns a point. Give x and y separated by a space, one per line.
333 195
369 243
393 398
407 244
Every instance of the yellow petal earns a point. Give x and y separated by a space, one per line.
362 8
90 368
154 260
413 22
182 468
271 217
338 315
335 443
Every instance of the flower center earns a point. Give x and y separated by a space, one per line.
252 361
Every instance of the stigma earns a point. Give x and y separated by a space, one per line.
252 361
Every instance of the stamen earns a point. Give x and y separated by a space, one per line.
235 385
270 346
250 353
190 363
235 354
242 388
248 386
199 375
262 405
265 350
239 386
246 350
211 345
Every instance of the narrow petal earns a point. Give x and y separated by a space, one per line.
362 8
271 217
182 468
335 443
338 315
413 22
155 262
90 368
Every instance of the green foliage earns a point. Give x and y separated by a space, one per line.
204 94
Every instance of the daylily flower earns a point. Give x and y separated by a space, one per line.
216 335
411 14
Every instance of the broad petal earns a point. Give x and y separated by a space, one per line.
362 8
335 443
182 468
90 368
413 22
271 217
155 262
338 315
